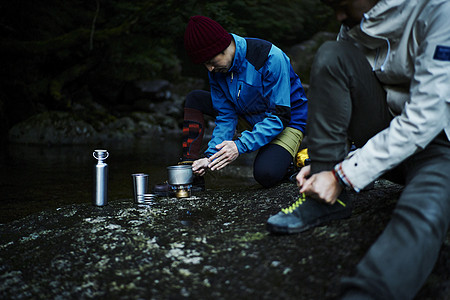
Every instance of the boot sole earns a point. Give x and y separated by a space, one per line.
272 228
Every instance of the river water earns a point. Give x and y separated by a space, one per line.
34 177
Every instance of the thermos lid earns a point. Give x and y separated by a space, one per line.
100 154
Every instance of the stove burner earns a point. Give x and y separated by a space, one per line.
182 190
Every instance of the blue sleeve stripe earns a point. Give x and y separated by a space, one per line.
442 53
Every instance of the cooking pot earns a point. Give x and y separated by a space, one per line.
180 175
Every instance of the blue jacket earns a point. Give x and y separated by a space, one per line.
260 87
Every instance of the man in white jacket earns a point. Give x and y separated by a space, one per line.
385 87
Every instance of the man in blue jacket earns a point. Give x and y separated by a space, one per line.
252 82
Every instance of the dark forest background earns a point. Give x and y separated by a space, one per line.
56 54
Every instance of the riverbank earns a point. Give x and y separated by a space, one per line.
212 245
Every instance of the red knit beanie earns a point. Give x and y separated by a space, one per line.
205 38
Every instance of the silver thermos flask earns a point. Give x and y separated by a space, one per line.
100 178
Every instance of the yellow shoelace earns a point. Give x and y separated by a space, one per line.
294 205
300 201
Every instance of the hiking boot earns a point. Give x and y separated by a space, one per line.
306 213
291 172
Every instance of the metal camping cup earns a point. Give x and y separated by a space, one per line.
140 187
100 178
180 175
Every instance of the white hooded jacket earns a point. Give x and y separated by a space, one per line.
407 42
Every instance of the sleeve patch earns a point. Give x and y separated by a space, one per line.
442 53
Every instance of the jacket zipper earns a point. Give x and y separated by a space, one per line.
365 17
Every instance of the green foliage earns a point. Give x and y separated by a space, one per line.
54 46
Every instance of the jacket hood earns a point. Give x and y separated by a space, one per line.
398 12
388 18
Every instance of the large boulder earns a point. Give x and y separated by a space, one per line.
302 55
213 243
67 128
152 90
3 123
52 128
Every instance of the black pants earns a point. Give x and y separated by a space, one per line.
348 104
271 162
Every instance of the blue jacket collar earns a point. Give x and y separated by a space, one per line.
239 55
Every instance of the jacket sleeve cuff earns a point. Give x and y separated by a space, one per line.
344 180
240 146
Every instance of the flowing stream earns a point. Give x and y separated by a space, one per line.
34 178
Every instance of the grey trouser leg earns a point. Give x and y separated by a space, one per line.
398 263
345 103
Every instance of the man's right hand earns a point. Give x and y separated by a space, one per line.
322 186
199 166
303 175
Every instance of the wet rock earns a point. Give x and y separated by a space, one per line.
3 122
67 128
152 90
106 89
153 109
166 108
52 128
213 243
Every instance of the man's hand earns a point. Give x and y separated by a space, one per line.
199 166
228 152
303 175
322 186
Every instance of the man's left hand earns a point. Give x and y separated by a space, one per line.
322 186
199 166
228 152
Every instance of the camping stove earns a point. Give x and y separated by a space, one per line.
180 180
182 190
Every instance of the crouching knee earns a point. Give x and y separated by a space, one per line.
333 53
266 178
